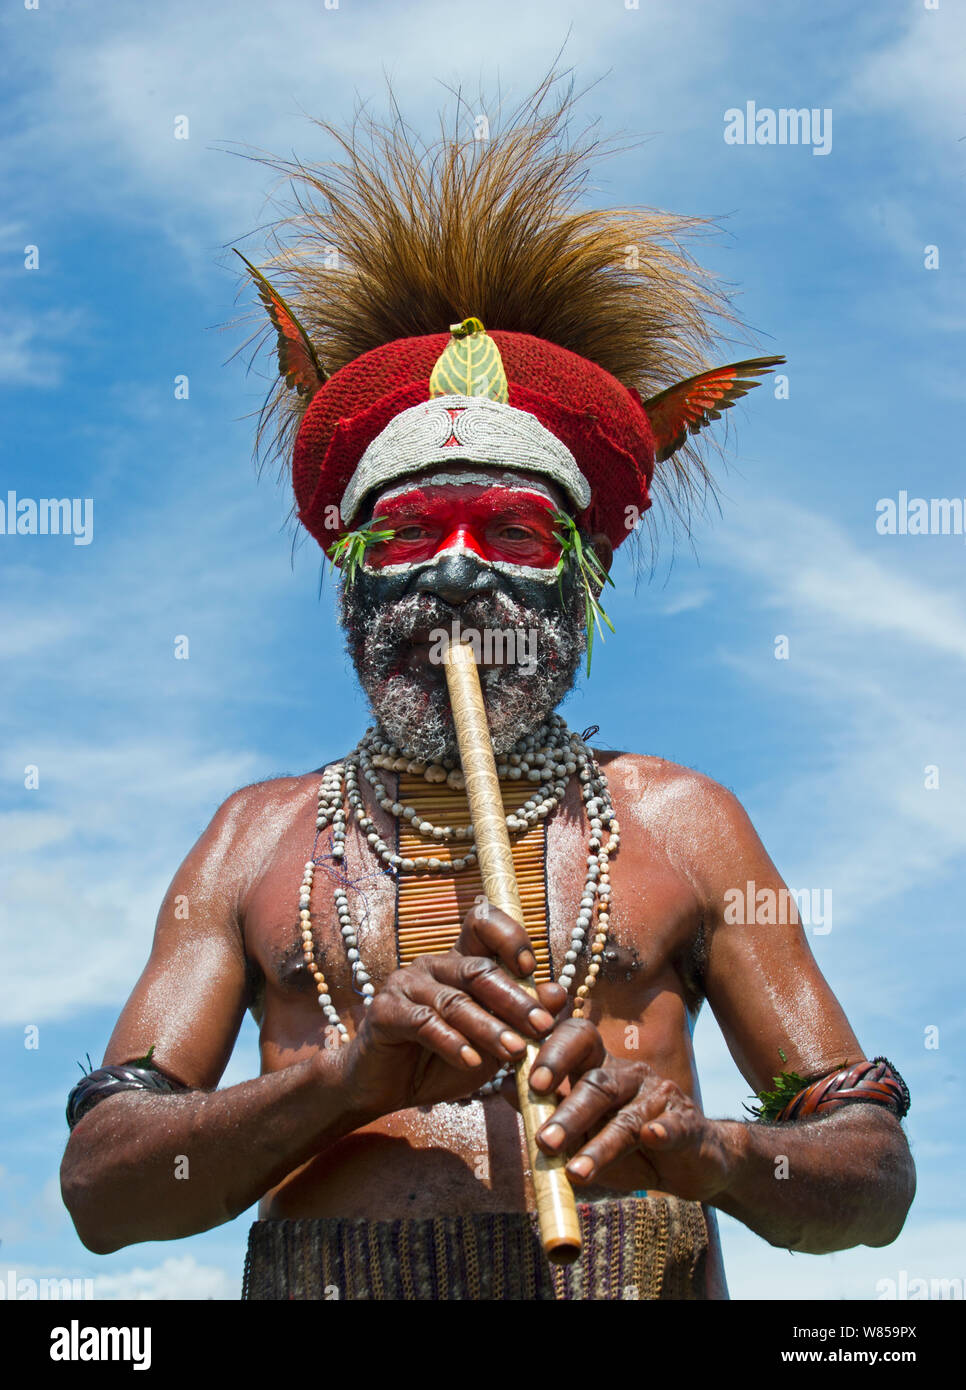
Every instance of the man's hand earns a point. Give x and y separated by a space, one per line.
441 1027
646 1133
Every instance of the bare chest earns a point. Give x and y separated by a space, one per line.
654 922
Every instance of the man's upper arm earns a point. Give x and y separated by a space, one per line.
761 978
190 1000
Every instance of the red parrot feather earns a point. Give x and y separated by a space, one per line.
688 406
297 360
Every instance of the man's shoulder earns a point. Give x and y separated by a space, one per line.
656 793
274 790
700 824
261 804
644 773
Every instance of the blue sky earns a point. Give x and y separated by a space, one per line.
135 750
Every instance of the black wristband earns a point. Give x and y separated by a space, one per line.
108 1081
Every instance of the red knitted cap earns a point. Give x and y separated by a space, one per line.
601 422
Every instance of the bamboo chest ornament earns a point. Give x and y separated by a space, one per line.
430 910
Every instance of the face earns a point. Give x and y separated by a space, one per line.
473 555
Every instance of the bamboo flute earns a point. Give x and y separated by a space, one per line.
556 1206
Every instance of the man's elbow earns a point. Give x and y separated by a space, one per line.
87 1211
888 1194
896 1190
894 1186
877 1199
85 1187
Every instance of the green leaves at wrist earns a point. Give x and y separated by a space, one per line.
787 1086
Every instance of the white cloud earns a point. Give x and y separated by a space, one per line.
685 601
876 655
918 76
33 351
824 571
108 93
878 639
109 882
21 832
18 638
176 1278
930 1251
131 745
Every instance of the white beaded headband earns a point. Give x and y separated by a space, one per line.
472 429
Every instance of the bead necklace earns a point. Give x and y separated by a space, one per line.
548 758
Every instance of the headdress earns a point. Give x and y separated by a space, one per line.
578 339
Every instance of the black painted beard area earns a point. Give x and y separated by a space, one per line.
529 645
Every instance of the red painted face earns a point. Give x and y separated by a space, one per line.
501 524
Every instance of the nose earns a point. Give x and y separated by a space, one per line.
456 579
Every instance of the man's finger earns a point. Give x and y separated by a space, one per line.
673 1129
596 1096
552 996
475 1024
489 932
676 1128
443 981
402 1020
574 1047
617 1139
491 986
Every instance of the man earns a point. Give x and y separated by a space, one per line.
474 486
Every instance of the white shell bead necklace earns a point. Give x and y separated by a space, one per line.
549 758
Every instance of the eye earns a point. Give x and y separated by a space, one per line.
410 533
516 533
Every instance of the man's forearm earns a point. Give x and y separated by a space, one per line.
820 1185
141 1166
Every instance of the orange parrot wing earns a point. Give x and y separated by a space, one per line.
297 359
688 406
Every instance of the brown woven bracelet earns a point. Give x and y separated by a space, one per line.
876 1082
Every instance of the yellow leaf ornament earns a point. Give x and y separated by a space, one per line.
469 365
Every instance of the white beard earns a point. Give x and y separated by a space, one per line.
411 705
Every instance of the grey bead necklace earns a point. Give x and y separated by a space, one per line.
549 758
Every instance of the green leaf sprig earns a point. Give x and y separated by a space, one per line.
348 553
592 574
787 1086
